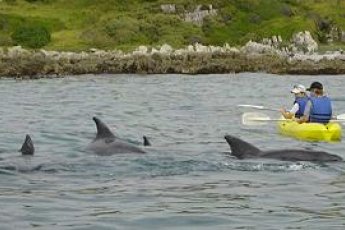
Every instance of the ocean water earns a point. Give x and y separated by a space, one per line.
186 180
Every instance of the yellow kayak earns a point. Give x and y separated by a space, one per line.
311 131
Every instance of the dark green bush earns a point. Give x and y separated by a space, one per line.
323 28
32 36
287 11
255 18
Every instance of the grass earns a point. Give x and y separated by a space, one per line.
110 24
331 47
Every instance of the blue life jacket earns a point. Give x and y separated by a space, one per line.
321 109
302 102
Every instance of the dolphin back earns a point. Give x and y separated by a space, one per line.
242 149
106 143
301 155
28 147
108 147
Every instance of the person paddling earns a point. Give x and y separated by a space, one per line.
299 104
319 107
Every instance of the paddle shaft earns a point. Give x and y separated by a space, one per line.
259 107
253 118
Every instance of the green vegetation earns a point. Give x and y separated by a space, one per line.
109 24
31 36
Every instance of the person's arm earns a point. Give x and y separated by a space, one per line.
290 114
305 117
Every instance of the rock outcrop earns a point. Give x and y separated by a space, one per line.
269 56
304 41
168 8
197 17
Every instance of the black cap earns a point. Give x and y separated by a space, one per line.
315 85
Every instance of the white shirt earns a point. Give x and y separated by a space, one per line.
294 109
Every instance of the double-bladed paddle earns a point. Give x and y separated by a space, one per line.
254 118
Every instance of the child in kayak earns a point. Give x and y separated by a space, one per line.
299 104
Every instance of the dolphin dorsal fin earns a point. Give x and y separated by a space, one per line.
102 130
240 148
146 141
27 147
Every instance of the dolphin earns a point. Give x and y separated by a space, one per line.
28 148
24 162
146 141
106 143
242 149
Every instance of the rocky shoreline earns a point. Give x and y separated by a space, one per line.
269 56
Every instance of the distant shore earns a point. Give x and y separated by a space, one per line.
17 62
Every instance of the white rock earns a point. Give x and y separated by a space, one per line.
179 52
280 40
201 48
141 50
234 50
154 50
168 8
304 40
257 48
166 49
226 47
16 51
190 48
214 49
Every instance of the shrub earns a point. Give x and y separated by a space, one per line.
323 28
31 36
255 18
287 11
124 30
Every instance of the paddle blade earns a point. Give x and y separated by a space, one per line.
253 118
251 106
341 116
